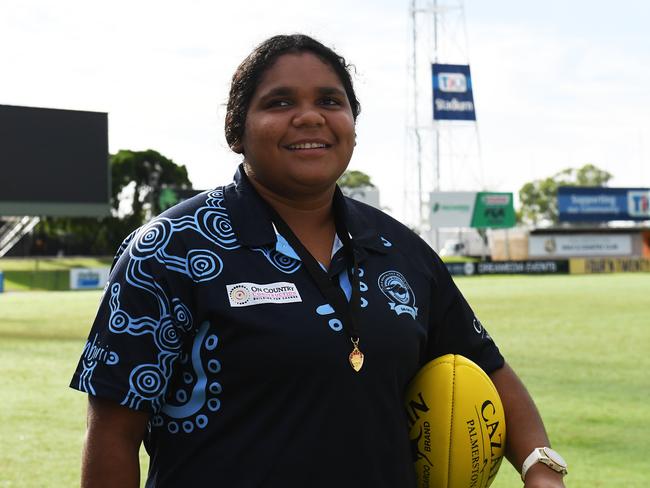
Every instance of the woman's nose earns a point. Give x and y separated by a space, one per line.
309 116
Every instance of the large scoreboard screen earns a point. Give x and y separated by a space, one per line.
53 162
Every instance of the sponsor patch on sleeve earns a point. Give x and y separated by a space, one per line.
246 294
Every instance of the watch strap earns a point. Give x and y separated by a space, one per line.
538 455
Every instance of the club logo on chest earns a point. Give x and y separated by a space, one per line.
401 298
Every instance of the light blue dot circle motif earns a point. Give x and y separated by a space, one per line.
364 302
336 325
115 289
203 265
363 286
172 427
119 321
211 342
360 272
215 388
181 396
151 239
188 378
214 404
282 262
214 225
201 421
182 316
214 366
184 358
188 426
112 359
386 242
147 381
167 336
157 421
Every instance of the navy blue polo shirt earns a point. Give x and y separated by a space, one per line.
211 323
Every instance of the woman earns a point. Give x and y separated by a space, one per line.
262 334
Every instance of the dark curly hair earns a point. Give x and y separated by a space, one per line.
248 75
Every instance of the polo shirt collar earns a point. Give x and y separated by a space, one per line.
253 226
248 213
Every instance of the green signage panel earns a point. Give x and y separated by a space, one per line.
493 211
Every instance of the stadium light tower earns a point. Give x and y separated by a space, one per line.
442 134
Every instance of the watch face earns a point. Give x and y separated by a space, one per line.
555 457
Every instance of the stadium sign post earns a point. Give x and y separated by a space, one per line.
452 92
2 282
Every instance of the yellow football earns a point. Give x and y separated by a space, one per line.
457 424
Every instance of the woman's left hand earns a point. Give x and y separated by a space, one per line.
541 476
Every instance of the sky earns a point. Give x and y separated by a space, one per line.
557 84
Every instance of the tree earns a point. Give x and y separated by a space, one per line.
538 198
354 179
146 173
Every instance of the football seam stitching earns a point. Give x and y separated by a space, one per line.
451 418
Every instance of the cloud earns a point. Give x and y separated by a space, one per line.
550 91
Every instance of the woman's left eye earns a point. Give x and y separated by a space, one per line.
330 101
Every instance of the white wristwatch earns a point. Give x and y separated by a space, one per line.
547 456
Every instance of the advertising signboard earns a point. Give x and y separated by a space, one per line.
600 204
451 208
88 278
509 267
609 265
563 245
481 210
452 92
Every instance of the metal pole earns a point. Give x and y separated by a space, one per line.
416 122
436 183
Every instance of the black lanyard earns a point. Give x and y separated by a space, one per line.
347 311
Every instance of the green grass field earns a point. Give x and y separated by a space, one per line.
47 273
580 343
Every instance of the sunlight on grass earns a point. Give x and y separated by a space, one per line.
579 342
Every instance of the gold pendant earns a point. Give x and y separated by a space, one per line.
356 356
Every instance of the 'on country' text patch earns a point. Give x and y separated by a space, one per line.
246 294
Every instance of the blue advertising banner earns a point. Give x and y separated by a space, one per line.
452 92
599 204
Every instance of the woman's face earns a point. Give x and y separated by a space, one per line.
299 132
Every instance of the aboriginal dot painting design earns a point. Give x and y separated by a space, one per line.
326 309
196 396
281 261
148 382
